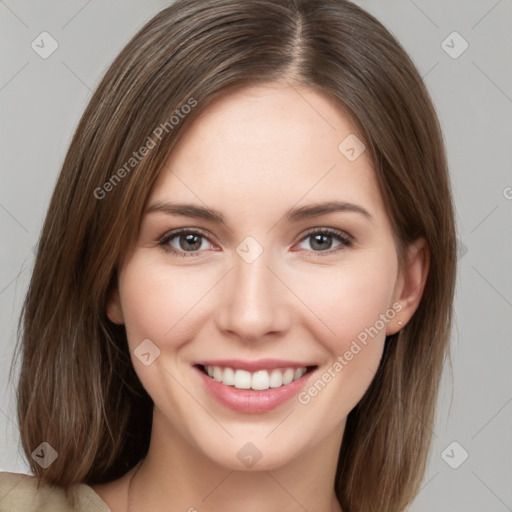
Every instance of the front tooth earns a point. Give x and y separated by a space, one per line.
276 379
260 380
228 377
242 379
288 375
217 373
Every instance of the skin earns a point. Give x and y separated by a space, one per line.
253 155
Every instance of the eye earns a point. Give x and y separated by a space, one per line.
322 241
184 241
188 242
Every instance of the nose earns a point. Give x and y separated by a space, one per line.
253 301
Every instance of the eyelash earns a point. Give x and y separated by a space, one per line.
345 240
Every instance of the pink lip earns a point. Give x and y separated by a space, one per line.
254 366
250 401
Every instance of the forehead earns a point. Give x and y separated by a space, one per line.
266 146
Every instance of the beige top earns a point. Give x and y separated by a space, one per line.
19 493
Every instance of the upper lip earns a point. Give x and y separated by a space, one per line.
253 366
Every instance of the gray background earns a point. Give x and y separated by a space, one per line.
41 101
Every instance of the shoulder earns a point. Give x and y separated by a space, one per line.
21 493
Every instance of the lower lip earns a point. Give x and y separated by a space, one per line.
250 401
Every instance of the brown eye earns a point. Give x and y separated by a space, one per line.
322 241
183 242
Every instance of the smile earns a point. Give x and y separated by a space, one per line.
260 380
253 387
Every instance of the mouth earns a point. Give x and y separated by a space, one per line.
253 387
260 380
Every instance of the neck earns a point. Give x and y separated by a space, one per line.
176 475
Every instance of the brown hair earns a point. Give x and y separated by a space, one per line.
77 388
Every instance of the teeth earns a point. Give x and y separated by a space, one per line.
228 377
276 379
217 373
260 380
288 375
242 379
299 372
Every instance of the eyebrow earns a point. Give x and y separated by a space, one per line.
293 215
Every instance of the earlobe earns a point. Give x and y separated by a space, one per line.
411 283
114 310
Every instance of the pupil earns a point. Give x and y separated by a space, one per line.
190 240
317 241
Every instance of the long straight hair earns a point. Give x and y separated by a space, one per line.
77 388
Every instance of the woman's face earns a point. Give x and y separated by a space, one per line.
281 285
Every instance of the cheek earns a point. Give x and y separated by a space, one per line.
355 303
348 301
158 303
162 305
356 312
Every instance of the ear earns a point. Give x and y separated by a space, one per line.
114 310
410 284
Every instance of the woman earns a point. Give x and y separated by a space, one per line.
243 289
